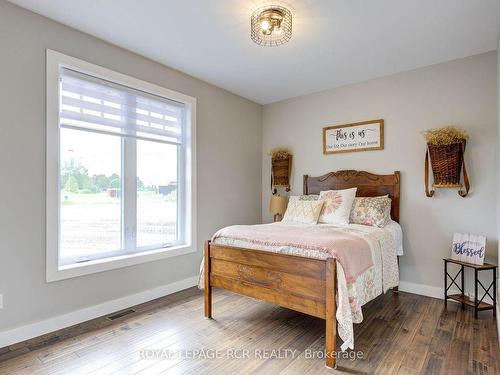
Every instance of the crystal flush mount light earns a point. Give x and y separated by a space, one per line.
271 25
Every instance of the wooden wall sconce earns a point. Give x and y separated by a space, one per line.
281 170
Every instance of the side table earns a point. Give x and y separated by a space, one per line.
477 303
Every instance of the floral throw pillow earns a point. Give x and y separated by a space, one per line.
374 211
337 207
302 211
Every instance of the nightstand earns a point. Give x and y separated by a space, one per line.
477 303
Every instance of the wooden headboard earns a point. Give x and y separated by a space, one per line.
368 184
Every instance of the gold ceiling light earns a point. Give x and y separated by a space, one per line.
271 25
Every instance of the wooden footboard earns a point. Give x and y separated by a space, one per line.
301 284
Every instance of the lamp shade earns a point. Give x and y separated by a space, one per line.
278 204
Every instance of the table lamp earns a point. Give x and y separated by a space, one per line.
277 206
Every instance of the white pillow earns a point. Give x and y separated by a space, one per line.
305 212
337 206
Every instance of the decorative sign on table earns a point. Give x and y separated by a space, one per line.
359 136
468 248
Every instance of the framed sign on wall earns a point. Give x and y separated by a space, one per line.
468 248
358 136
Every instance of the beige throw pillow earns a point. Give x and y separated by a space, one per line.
301 211
311 197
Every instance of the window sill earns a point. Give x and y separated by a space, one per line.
56 272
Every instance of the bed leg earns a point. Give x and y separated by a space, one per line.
207 286
331 312
396 288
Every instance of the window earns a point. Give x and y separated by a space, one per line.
120 181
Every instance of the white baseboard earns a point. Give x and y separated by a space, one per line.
430 291
32 330
423 290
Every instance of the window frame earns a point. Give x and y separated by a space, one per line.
187 152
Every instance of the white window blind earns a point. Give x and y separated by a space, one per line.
93 104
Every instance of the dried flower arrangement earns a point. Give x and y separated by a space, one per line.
445 136
280 154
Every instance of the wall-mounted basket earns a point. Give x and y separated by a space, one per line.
447 162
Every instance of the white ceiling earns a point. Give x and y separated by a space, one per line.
334 43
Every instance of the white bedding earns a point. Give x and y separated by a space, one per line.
397 234
385 244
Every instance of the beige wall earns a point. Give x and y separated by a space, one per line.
228 164
461 92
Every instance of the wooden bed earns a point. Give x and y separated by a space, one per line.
302 284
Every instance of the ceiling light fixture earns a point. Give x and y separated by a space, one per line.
271 25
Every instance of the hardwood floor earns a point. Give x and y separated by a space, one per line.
401 334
